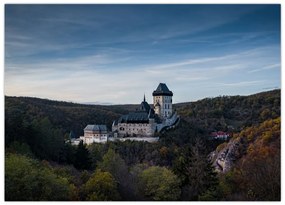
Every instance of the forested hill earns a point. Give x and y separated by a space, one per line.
37 158
64 115
232 113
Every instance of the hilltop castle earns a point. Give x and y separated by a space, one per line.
146 121
140 125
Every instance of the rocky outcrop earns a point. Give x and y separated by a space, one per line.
224 159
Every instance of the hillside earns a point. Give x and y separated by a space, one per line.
227 113
232 113
36 129
64 115
252 158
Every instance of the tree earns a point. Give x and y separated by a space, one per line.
100 187
82 158
160 184
202 177
47 142
198 174
113 163
27 180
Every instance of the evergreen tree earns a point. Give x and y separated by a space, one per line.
82 158
200 174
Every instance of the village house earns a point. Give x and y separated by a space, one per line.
220 135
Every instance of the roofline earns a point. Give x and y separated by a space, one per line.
157 93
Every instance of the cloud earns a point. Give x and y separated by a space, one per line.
243 83
96 77
268 67
103 54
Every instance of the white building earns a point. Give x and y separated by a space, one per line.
95 133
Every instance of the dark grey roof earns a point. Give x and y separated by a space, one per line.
134 117
99 128
145 106
162 89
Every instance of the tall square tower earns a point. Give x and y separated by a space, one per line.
162 101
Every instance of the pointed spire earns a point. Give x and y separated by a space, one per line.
144 97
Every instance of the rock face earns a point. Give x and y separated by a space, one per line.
224 159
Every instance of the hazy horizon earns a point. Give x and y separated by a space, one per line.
139 101
117 53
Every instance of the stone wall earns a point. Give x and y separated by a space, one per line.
136 129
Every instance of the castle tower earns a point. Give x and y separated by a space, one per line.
162 101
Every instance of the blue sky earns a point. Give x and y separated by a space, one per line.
116 53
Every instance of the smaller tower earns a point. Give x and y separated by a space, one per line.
162 101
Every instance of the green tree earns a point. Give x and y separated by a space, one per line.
27 180
100 187
48 141
82 158
160 184
113 163
20 148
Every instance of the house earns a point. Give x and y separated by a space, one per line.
95 133
220 135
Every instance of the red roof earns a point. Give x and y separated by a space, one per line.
215 134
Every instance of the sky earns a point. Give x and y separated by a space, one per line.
114 54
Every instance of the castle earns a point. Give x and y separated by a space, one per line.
146 121
141 125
